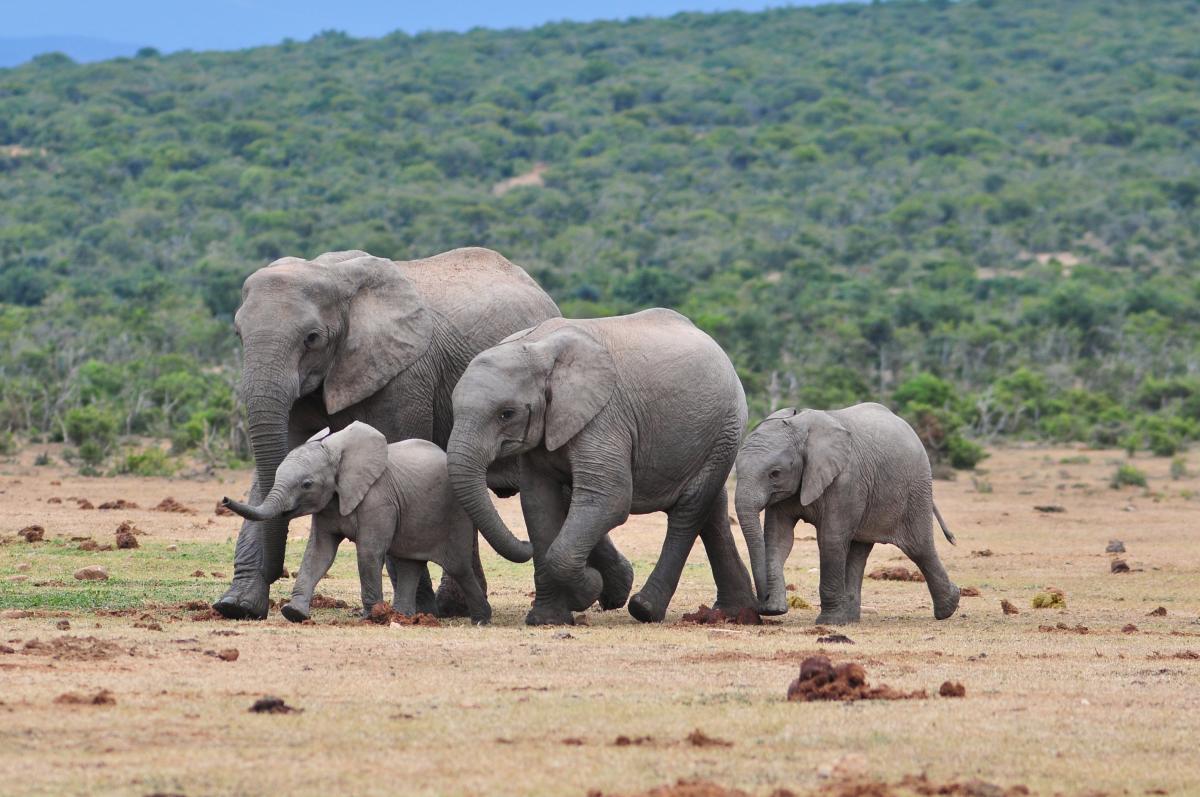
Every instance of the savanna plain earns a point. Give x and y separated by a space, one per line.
1101 695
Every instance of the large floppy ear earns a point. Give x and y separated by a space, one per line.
826 452
387 328
581 381
360 454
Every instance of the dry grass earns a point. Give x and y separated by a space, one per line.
462 710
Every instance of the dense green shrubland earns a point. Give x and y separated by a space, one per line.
982 213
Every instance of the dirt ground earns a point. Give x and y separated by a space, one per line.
1099 696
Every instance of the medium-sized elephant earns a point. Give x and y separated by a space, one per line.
610 416
861 476
392 501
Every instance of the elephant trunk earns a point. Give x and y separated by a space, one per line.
270 509
269 390
467 465
748 507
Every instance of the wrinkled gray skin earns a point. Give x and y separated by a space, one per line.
861 476
392 501
349 337
609 416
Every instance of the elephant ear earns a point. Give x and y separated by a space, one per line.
387 328
781 415
360 455
826 453
582 378
321 435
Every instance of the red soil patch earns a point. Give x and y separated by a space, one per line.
72 648
952 689
699 738
969 592
1129 628
820 680
101 698
126 535
382 614
320 601
34 533
169 504
896 573
706 616
120 503
682 788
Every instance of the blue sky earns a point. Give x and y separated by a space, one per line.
230 24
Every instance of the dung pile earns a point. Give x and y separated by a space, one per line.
820 680
706 616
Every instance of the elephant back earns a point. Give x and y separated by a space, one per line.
480 293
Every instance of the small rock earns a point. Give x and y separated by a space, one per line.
172 548
92 573
1050 508
1119 566
1115 546
1161 611
564 635
272 705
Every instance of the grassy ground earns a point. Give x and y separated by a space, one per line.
515 710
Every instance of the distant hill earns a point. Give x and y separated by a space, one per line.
15 51
986 213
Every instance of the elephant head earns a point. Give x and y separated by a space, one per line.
538 387
788 452
344 464
345 324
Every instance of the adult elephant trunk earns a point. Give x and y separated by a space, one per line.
467 464
772 599
268 390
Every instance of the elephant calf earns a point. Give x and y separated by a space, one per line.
861 476
392 501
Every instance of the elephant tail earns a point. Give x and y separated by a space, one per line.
942 522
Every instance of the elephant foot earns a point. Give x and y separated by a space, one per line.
618 583
293 613
733 607
771 609
583 591
482 618
646 610
945 608
244 601
450 600
833 618
543 614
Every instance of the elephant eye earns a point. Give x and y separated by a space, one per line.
311 338
775 474
507 414
307 484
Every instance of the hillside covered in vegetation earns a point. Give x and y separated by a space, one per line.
986 213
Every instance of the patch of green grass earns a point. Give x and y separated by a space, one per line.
1127 475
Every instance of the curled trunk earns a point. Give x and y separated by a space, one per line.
468 478
270 509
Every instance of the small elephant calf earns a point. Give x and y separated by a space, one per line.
861 476
392 501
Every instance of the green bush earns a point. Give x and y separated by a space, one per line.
91 425
1179 468
149 462
1127 475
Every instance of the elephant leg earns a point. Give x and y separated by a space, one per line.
318 558
544 504
423 595
370 574
452 599
856 563
833 540
779 531
917 544
735 590
481 610
248 596
407 577
615 571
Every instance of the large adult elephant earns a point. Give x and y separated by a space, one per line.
351 337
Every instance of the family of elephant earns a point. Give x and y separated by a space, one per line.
589 420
